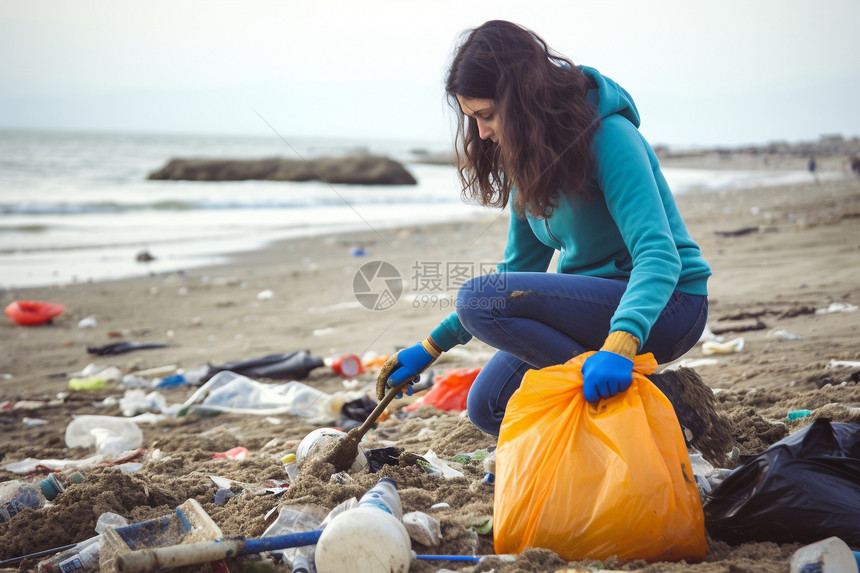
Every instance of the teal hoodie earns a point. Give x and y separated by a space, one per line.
628 228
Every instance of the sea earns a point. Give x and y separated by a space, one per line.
78 206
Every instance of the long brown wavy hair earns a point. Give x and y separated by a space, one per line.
544 115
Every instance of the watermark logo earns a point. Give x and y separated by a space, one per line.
377 285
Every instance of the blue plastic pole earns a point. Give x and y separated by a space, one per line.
470 558
282 541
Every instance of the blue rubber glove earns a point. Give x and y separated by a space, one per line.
605 374
406 364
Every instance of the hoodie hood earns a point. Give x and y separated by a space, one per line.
609 97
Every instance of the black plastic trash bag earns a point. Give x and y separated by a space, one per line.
802 489
294 365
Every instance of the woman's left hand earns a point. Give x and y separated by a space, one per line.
605 374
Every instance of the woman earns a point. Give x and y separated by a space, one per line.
559 146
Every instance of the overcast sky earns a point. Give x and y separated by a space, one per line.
723 72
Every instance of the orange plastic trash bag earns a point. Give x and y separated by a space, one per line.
449 392
590 481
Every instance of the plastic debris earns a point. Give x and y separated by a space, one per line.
423 528
109 434
798 414
476 455
837 307
88 384
223 495
831 555
785 335
123 347
233 393
33 312
368 537
347 365
316 441
441 467
88 322
692 363
708 335
29 465
294 365
729 347
265 295
844 364
237 453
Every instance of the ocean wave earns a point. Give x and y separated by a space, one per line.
171 205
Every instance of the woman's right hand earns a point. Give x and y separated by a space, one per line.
406 365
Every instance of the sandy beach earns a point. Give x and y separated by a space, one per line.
784 262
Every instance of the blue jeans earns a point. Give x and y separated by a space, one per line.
542 319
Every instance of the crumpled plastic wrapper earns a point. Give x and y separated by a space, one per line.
424 529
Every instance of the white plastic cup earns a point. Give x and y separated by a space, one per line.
831 555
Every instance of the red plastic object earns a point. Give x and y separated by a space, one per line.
348 365
237 453
449 392
33 312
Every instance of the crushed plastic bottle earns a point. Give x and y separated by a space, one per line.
16 495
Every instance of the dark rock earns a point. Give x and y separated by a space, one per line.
356 170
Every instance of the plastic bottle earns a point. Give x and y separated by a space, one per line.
109 434
15 495
367 537
831 555
291 466
87 559
383 496
105 520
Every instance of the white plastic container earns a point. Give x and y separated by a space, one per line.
361 540
109 434
369 538
831 555
317 440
